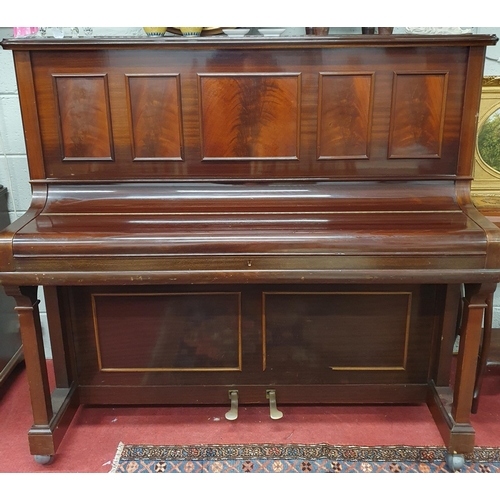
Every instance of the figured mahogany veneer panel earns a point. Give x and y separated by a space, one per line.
418 115
85 124
249 116
345 109
155 116
168 331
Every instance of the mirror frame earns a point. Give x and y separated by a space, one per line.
485 187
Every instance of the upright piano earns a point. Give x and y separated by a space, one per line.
220 221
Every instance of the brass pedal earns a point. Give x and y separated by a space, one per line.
232 414
273 410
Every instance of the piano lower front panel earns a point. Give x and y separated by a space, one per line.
192 344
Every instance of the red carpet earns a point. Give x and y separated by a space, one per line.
92 440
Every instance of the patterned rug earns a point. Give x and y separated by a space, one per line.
299 458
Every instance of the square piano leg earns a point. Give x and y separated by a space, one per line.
451 408
52 413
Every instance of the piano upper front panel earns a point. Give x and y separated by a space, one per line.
254 114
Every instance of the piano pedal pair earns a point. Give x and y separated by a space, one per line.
274 413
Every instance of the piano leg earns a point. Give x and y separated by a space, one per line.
483 356
451 408
52 413
451 320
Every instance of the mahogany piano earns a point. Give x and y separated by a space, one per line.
220 221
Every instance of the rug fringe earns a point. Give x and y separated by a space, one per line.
214 452
116 460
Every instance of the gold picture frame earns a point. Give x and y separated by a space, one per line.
486 184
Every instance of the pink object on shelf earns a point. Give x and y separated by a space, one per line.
20 32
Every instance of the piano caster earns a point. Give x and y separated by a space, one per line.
43 459
273 410
232 414
455 461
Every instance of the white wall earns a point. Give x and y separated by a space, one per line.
13 163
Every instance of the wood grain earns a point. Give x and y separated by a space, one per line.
155 117
250 116
84 120
345 112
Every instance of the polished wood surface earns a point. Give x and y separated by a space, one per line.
260 334
84 117
155 116
216 214
161 227
406 117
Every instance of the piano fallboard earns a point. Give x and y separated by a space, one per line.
258 227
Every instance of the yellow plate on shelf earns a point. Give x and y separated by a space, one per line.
205 31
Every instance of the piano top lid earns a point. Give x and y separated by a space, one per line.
253 41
